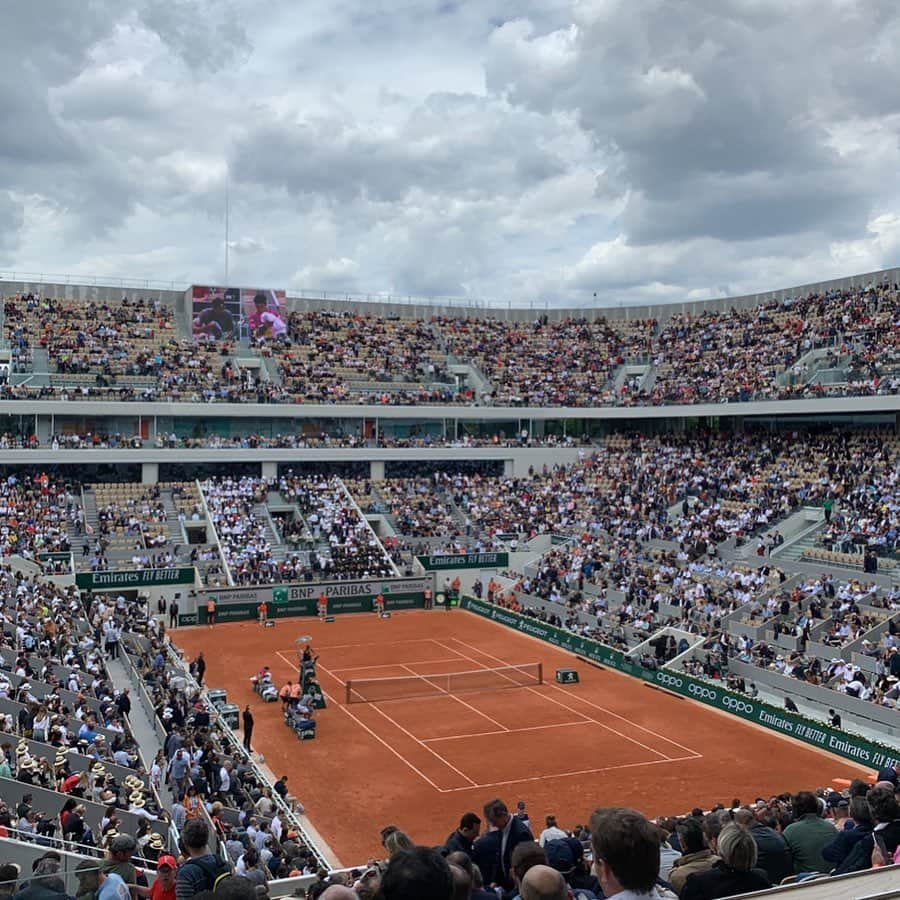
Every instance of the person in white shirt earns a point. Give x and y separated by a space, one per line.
225 778
137 807
156 771
276 827
552 832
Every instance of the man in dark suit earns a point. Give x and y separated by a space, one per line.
493 851
463 839
773 855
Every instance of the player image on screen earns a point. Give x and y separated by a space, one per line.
215 314
265 320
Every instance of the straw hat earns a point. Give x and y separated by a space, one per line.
156 842
27 764
139 803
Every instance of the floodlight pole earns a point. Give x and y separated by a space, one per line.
226 226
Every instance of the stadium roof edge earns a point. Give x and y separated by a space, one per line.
112 288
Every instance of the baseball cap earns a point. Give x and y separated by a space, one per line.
559 855
166 860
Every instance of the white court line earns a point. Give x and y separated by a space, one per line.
460 737
594 705
377 737
652 762
290 662
411 736
362 644
401 728
500 725
563 705
417 662
474 786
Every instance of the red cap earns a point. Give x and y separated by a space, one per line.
167 860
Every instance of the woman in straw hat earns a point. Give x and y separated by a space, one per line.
154 846
108 837
61 767
156 842
25 773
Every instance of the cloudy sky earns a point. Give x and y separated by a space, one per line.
538 151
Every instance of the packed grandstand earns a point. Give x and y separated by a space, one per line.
701 505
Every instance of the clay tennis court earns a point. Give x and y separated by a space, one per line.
422 761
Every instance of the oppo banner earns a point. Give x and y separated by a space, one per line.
857 749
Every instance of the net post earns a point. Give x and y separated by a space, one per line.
540 666
348 690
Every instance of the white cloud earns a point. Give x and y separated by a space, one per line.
333 274
247 245
637 150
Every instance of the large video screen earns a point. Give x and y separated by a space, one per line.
230 313
263 314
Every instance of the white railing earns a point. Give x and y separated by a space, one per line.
285 811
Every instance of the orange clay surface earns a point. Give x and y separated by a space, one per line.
421 763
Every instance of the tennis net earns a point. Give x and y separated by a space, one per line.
372 690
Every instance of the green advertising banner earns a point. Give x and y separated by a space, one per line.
871 754
133 578
464 561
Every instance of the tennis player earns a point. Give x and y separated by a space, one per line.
378 604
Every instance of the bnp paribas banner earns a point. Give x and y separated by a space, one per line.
871 754
286 600
464 561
